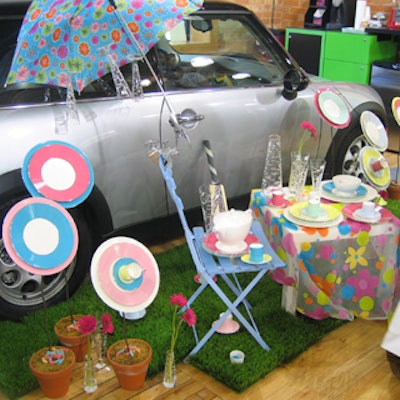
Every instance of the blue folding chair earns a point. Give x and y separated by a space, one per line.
209 266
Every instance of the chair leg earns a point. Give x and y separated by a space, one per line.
232 308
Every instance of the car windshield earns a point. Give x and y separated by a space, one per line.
200 52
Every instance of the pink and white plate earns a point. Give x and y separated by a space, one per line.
125 274
58 171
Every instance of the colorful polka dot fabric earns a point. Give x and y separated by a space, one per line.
345 271
68 40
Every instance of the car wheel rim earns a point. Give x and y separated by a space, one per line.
351 163
21 288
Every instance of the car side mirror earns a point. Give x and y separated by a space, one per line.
293 82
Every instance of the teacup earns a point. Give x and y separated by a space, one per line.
232 227
236 357
278 198
256 252
367 210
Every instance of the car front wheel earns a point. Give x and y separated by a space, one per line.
22 292
346 157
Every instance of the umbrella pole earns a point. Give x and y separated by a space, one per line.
173 120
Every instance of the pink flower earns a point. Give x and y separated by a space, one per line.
178 300
309 128
87 324
307 125
189 317
106 324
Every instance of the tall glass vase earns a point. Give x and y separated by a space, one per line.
101 346
89 378
169 380
298 174
272 176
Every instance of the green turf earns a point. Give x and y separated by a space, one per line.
287 335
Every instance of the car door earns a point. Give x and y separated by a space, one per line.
222 78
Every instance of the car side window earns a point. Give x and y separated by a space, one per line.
209 53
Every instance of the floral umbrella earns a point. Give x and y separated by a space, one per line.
75 41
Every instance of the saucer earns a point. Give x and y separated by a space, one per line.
373 217
284 204
320 214
231 249
210 245
246 259
349 211
340 193
227 327
329 187
331 213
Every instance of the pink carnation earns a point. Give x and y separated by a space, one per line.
178 300
87 325
106 323
189 317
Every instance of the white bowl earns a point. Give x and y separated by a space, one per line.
232 227
346 183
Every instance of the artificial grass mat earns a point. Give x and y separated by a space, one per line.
287 335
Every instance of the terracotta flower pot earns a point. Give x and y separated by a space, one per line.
394 362
130 371
71 338
54 379
394 190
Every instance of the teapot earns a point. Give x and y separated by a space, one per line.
232 227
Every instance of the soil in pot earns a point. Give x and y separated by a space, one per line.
130 371
54 379
71 338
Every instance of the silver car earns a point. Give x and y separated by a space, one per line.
226 79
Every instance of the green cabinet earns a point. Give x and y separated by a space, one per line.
349 56
342 56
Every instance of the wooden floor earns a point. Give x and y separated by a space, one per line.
346 364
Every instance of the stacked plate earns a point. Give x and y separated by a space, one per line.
362 193
298 215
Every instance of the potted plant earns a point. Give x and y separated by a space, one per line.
394 186
67 332
52 367
130 359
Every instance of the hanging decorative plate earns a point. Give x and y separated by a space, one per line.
331 108
396 109
370 160
374 130
125 274
58 171
40 236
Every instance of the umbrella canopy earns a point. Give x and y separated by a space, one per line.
75 41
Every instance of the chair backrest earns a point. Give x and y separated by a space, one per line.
166 170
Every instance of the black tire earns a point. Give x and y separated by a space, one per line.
19 290
343 155
347 156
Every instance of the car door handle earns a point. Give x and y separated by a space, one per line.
182 119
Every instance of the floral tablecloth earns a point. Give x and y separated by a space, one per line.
348 270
